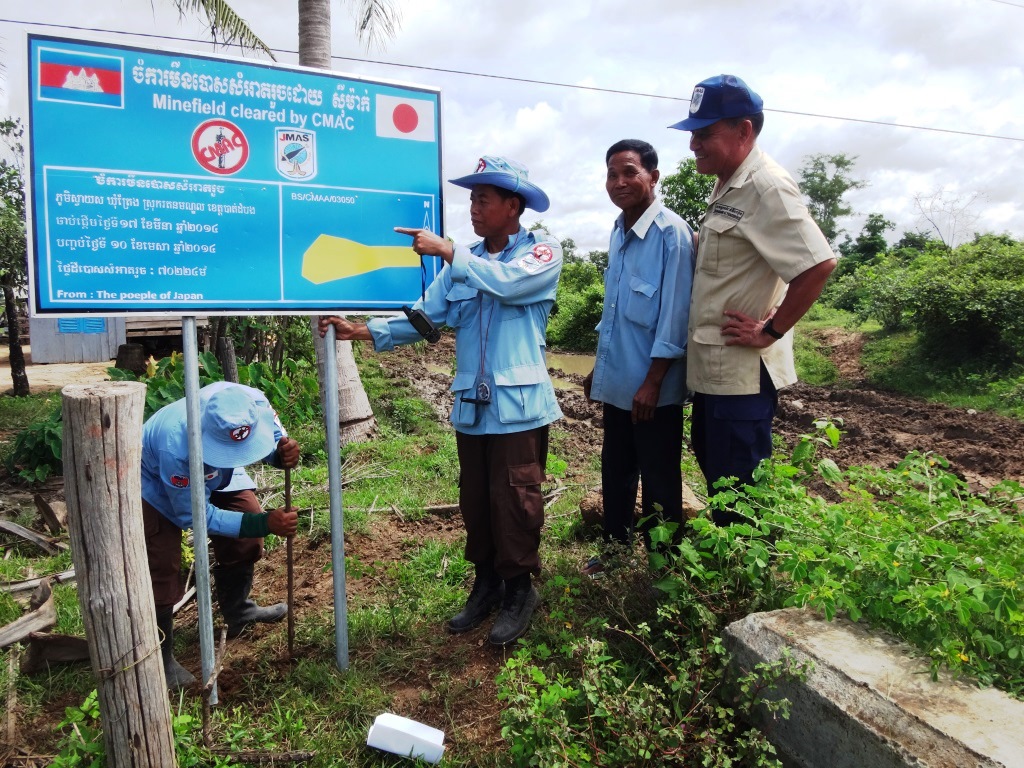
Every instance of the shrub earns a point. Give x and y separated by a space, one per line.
578 306
37 452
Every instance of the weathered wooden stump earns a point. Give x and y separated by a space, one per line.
103 488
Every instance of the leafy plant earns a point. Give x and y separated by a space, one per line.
37 452
83 744
165 378
910 549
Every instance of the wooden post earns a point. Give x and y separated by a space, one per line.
103 487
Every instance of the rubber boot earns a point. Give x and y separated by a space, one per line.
177 676
483 599
516 610
233 586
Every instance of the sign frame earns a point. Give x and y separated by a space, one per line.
355 262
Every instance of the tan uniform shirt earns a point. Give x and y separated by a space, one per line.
756 236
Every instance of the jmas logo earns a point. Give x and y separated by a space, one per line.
220 147
296 153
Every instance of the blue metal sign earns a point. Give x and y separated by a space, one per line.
186 184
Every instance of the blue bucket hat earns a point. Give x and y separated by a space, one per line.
719 98
507 174
236 431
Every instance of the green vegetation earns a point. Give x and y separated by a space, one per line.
578 306
943 324
614 672
36 452
628 670
687 192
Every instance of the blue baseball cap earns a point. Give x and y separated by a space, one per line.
507 174
718 98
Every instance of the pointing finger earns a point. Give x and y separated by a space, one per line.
407 231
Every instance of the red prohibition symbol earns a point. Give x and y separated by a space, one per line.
220 146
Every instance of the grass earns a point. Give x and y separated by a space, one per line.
396 643
394 636
812 363
896 361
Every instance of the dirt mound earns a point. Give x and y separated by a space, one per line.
881 428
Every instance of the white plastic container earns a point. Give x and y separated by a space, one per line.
402 736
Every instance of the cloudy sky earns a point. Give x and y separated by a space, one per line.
834 74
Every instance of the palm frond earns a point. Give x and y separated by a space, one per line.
377 21
225 25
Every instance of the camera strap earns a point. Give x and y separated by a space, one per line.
483 389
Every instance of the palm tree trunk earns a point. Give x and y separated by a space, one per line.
19 376
354 413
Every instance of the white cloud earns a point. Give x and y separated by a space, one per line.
951 64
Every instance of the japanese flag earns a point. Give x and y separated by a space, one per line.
399 118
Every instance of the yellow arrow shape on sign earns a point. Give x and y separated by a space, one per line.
333 258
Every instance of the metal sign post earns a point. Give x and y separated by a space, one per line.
197 485
331 419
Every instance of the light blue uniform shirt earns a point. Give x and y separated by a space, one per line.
165 472
646 308
499 310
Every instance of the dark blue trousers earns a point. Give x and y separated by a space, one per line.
731 434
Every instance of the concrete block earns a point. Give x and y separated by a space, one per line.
870 703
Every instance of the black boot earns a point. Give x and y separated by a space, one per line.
177 676
233 586
516 610
483 598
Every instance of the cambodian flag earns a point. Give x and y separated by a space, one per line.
81 78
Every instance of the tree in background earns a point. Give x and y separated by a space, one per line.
578 305
13 253
599 259
687 192
226 27
870 244
948 214
825 180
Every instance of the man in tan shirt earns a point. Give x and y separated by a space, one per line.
761 263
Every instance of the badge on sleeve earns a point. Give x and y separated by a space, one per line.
529 263
543 253
179 481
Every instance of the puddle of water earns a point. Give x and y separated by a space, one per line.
580 365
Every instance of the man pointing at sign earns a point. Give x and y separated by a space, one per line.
496 294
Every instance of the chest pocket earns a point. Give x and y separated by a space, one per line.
713 249
462 305
642 302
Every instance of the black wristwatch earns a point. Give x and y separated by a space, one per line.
769 328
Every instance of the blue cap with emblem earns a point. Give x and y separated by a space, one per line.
236 431
507 174
719 98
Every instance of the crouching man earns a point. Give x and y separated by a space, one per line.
238 428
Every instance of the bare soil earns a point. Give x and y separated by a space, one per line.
879 429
